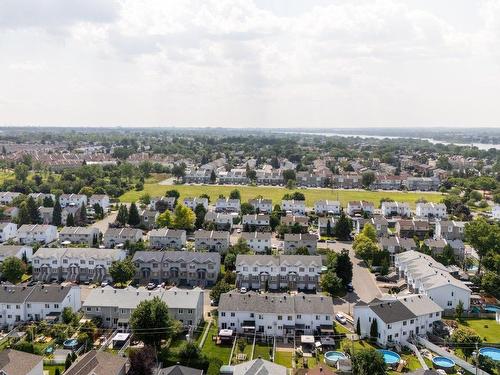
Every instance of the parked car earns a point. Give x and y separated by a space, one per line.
340 318
243 290
151 286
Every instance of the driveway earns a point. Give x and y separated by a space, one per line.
363 282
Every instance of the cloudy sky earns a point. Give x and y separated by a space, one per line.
260 63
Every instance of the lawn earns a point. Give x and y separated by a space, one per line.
262 350
52 368
339 328
247 350
211 350
488 329
284 359
276 193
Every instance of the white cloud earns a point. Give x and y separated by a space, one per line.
244 63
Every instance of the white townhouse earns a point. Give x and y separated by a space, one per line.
426 276
260 242
450 230
256 221
7 197
326 207
293 241
261 205
325 226
100 199
495 212
221 220
398 319
437 210
396 209
293 206
360 207
276 314
282 272
82 235
116 236
211 240
7 231
19 304
115 306
41 196
227 205
166 203
164 238
76 264
18 251
72 200
29 234
193 202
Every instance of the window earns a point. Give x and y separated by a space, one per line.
311 269
18 307
396 335
437 314
412 321
181 311
317 317
269 327
327 317
233 314
389 326
47 305
405 322
29 305
452 293
289 317
301 269
89 308
299 316
222 314
252 315
280 317
404 333
449 303
56 305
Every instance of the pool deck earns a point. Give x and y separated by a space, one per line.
458 361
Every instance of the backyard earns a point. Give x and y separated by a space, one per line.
488 329
276 193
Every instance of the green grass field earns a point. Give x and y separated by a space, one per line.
488 329
276 193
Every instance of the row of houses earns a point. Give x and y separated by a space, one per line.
321 178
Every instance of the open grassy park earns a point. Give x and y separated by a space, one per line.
276 193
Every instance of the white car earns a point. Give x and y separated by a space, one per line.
340 318
243 290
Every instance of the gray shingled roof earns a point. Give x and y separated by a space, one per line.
276 303
176 256
279 259
97 363
391 311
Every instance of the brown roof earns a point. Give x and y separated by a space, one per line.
97 363
14 362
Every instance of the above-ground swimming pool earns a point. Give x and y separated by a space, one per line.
390 357
331 358
70 344
443 362
493 353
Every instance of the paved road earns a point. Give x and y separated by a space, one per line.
102 225
365 287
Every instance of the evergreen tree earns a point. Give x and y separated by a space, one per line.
122 216
374 330
23 217
83 214
70 220
56 214
213 177
33 211
200 212
358 328
134 219
343 227
48 201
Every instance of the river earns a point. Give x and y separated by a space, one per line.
480 146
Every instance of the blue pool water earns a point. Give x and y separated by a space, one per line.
390 357
491 308
493 353
443 362
70 343
334 356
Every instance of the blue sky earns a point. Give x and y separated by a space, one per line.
261 63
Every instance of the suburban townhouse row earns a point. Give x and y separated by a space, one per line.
323 178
